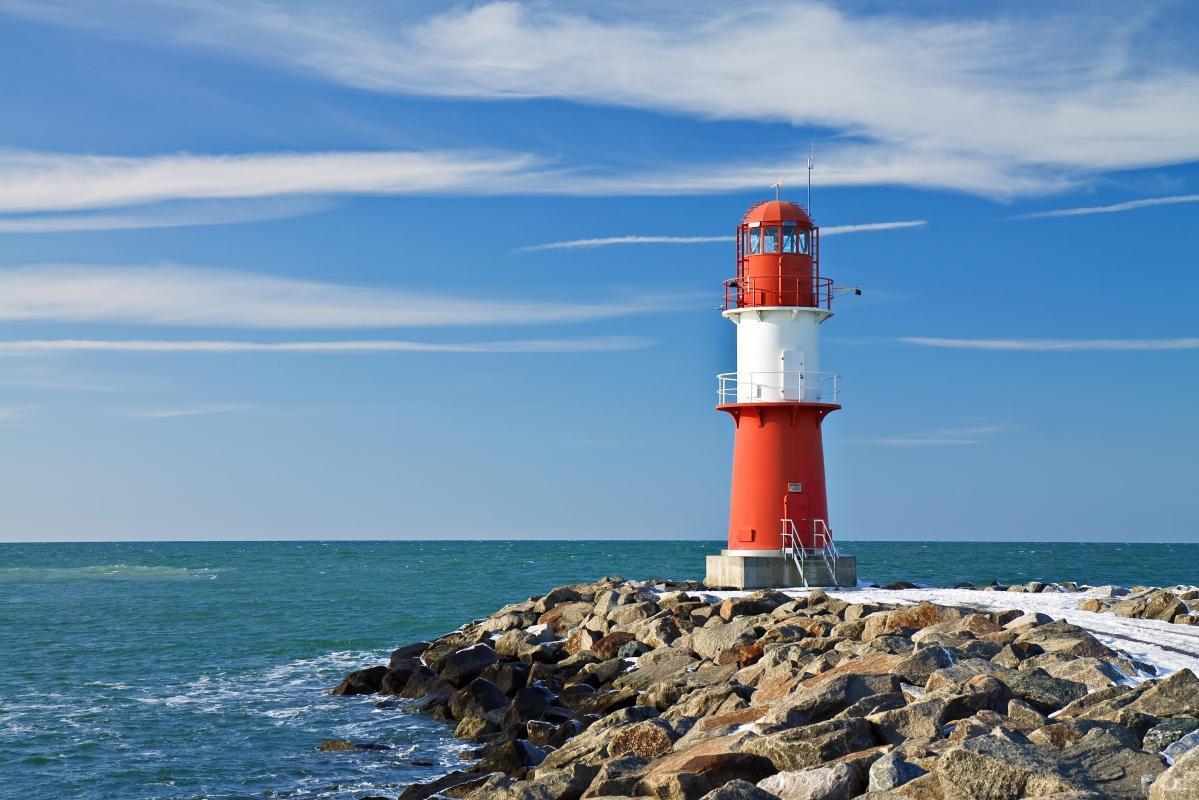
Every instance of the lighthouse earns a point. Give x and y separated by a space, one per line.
779 531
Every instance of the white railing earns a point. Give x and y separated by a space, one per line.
777 387
824 549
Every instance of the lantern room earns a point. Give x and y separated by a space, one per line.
778 260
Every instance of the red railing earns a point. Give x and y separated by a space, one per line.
778 290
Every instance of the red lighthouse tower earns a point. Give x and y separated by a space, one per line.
779 532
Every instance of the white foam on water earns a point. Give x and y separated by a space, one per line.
93 572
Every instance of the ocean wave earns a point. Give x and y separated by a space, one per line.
105 572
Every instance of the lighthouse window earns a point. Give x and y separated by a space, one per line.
790 243
755 240
794 240
770 240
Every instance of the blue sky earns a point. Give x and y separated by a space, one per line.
280 270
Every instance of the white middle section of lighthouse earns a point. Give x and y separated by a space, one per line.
778 354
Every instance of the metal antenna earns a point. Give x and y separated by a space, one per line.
810 151
777 185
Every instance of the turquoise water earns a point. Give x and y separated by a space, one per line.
189 670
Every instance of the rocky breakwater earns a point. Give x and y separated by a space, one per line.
623 689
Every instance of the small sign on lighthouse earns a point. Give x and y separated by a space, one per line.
779 531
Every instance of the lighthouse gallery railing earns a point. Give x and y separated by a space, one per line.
777 387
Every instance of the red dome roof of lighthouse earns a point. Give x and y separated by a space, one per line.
777 211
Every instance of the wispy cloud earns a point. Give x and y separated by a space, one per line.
1131 205
598 344
178 295
869 227
608 241
32 181
1057 345
977 434
169 215
191 411
1016 102
10 413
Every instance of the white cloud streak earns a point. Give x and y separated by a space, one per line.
871 227
599 344
10 413
191 411
1057 345
1130 205
608 241
1000 104
946 437
179 295
34 181
222 212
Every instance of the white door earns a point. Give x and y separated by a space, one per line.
793 370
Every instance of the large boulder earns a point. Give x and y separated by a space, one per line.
648 739
696 776
617 776
363 681
461 781
892 771
812 745
1179 782
1042 690
921 664
1171 697
994 768
464 665
749 605
739 790
710 642
830 782
1062 637
476 699
1110 760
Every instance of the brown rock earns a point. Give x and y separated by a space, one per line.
648 739
700 774
606 647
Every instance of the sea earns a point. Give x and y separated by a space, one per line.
203 669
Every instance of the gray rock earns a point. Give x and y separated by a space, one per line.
1166 733
831 782
892 771
1111 762
617 776
812 745
922 719
739 790
464 665
1023 716
921 664
993 768
1042 690
1062 637
1173 696
476 699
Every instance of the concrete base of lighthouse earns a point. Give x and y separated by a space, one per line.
768 569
